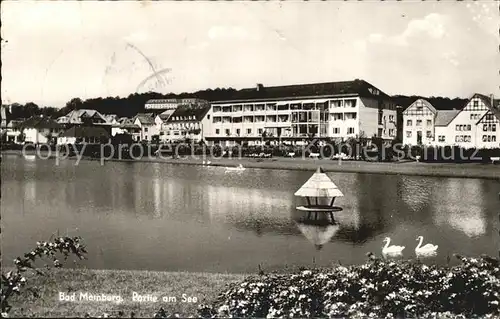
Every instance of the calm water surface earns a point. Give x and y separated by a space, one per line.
192 218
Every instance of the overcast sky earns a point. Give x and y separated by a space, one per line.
54 51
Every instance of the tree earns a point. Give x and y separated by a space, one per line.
74 104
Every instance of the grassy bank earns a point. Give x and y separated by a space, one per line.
203 286
465 170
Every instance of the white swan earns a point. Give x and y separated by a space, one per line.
391 250
427 249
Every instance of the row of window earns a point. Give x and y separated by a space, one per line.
344 116
300 117
489 117
489 127
467 138
463 127
336 130
184 118
238 131
418 123
463 138
489 138
428 134
283 107
343 103
180 126
475 116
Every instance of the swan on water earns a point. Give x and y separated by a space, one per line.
391 249
427 249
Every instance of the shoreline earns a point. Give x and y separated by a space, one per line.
453 170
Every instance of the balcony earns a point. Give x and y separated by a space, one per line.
271 119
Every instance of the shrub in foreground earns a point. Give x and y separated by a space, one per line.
12 281
376 289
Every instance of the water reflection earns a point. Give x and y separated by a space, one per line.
30 190
226 204
211 221
466 216
318 228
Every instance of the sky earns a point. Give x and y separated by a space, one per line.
55 51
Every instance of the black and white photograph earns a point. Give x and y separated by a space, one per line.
250 159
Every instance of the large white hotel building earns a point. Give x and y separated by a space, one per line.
296 112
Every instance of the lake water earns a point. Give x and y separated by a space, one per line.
155 216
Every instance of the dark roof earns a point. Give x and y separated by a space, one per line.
145 118
496 112
183 114
356 87
86 131
497 103
40 122
16 123
444 117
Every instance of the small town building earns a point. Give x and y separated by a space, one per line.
171 104
149 126
475 125
298 112
84 134
111 119
186 123
13 132
83 116
126 126
40 130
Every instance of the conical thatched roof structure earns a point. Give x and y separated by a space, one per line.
319 185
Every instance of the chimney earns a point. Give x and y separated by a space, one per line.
259 87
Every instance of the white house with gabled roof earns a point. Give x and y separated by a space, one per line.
488 130
419 120
463 129
149 125
473 126
443 135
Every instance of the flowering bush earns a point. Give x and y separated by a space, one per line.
373 290
13 281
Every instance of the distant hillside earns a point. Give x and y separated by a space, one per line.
122 107
440 103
